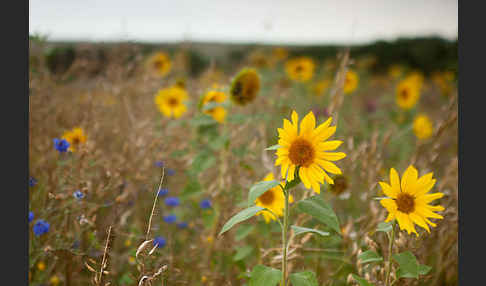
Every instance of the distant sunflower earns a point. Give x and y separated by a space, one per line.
170 101
245 86
300 69
422 127
273 199
280 53
320 87
340 185
407 93
417 77
181 82
350 82
308 150
395 71
160 64
218 113
408 200
75 137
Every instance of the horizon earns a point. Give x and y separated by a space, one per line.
310 22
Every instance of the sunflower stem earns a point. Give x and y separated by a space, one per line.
284 238
390 248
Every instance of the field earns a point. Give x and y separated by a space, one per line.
146 163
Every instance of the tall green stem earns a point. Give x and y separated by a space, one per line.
390 248
284 238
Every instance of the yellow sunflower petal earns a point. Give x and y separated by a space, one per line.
389 204
290 177
333 156
308 124
304 178
419 221
409 178
430 197
394 179
329 167
328 179
329 145
388 190
295 118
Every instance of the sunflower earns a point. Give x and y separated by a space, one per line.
245 86
444 82
300 69
320 87
273 199
395 71
408 93
416 77
280 53
170 101
308 150
160 64
350 82
408 201
218 113
340 185
75 137
422 126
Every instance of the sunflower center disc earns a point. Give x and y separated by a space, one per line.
404 94
159 64
267 198
301 153
405 203
173 102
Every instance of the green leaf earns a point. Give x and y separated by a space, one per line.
274 147
319 209
423 270
201 162
300 230
369 256
264 276
219 142
243 252
191 188
408 263
243 232
306 278
239 217
259 189
361 281
384 226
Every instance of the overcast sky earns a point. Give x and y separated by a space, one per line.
277 21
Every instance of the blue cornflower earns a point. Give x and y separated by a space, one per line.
61 145
182 225
163 192
170 172
172 201
159 241
78 194
159 164
32 181
31 216
205 204
41 227
170 218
